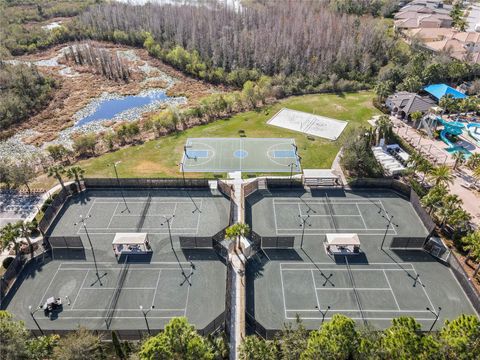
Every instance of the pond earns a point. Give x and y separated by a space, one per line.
108 109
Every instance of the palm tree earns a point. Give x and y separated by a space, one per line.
25 230
434 197
76 172
416 117
476 174
450 204
384 127
473 161
441 175
236 231
425 167
415 160
472 244
57 171
459 158
8 235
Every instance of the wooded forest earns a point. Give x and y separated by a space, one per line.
300 39
24 91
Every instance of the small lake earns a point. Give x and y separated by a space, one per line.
110 108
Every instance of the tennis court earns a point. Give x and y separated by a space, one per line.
373 287
103 292
240 154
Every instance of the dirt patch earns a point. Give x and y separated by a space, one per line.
147 167
75 92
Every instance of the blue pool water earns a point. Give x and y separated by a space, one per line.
108 109
460 149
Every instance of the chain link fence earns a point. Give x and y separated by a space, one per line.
135 183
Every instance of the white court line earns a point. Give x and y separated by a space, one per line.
156 288
336 269
188 294
114 288
113 317
391 227
363 220
113 215
315 288
375 289
199 215
356 310
50 284
330 263
173 213
119 267
80 289
320 202
353 318
142 202
464 293
391 290
275 218
423 287
135 309
283 294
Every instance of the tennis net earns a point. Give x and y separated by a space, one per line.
330 210
118 288
355 293
143 215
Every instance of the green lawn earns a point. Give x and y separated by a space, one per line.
160 158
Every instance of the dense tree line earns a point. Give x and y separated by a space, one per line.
340 339
410 69
361 7
337 339
24 91
302 41
20 28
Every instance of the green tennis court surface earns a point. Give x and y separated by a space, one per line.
373 287
240 154
97 290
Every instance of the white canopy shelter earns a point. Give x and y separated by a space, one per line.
342 244
131 243
320 177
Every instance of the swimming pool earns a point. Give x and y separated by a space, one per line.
461 149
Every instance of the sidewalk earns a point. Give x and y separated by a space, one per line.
435 153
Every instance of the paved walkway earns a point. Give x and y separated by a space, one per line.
434 151
473 17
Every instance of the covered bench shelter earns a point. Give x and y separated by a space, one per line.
131 243
342 244
320 177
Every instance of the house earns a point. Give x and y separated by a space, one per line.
423 14
404 103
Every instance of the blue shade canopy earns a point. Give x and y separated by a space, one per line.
440 90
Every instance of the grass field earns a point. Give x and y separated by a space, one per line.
160 158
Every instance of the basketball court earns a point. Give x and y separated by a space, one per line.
240 154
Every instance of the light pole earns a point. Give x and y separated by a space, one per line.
83 221
386 230
32 314
324 313
118 183
145 313
167 221
183 175
436 314
291 173
304 219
